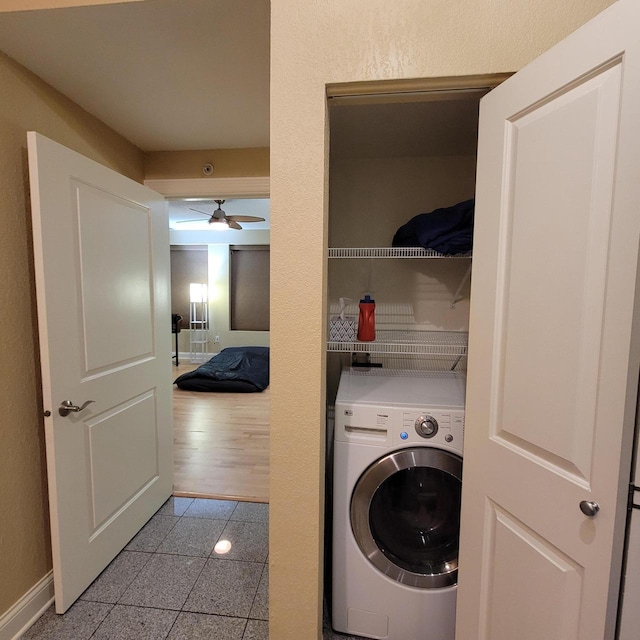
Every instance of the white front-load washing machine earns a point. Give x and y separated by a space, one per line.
396 503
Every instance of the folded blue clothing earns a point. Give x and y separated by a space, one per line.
447 230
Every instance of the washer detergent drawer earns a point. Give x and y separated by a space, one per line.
366 424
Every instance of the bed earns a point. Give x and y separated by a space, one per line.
234 369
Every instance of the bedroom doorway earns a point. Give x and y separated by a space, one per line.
221 440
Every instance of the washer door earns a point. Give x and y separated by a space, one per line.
405 516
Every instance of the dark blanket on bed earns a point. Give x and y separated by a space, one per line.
237 369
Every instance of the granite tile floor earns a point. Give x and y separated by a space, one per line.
178 580
174 581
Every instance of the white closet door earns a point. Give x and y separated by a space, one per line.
553 359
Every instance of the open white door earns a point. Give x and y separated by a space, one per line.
101 247
553 358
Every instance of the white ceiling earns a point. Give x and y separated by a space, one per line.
166 74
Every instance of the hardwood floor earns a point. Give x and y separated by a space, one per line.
221 443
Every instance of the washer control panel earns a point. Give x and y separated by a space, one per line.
432 425
385 426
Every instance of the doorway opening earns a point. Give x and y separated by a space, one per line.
221 439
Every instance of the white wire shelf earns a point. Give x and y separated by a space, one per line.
387 372
408 341
391 252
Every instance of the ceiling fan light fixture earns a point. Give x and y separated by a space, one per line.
223 221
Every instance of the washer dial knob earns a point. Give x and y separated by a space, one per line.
426 426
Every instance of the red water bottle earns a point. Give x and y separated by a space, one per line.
367 320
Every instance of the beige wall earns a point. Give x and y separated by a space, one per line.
227 163
27 103
24 5
341 41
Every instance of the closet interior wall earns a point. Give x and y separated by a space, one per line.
389 162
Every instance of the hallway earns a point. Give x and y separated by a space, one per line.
177 580
169 581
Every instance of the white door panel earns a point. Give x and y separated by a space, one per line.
553 358
101 251
123 460
519 556
556 292
116 304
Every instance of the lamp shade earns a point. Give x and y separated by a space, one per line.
197 292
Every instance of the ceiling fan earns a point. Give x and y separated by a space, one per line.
221 218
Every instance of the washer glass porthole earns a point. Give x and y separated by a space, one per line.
405 515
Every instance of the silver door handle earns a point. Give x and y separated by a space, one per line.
589 508
66 407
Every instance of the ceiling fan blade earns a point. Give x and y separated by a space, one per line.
233 224
204 213
181 221
246 218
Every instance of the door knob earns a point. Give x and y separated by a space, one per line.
589 508
66 407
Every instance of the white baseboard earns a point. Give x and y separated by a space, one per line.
185 357
28 609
